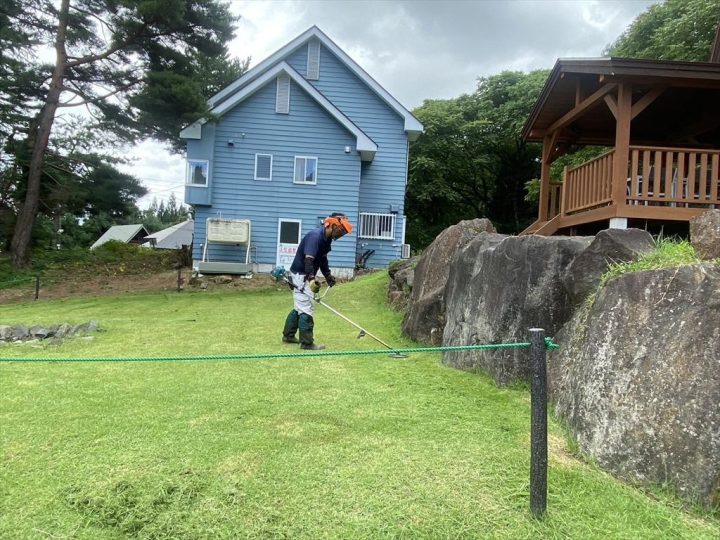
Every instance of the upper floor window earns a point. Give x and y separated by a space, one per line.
263 166
305 170
197 172
377 226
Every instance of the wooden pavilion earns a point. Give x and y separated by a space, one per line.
661 122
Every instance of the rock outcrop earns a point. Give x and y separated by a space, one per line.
610 246
637 379
425 318
402 274
497 290
705 234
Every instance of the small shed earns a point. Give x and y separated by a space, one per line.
128 234
174 237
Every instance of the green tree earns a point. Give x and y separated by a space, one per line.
673 30
133 64
470 161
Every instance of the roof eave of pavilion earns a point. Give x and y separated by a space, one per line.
618 67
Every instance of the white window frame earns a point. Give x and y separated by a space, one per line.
188 172
376 219
256 167
295 162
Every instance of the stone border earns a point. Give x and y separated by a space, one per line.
54 332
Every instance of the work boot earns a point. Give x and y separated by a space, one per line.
291 339
312 347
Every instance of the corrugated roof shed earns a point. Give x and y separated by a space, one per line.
121 233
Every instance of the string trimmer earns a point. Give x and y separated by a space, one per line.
280 274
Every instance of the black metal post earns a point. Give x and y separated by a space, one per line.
538 424
37 286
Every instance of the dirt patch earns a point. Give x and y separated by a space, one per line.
72 287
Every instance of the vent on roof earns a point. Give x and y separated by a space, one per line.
282 103
313 63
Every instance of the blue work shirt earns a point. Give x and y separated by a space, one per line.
317 245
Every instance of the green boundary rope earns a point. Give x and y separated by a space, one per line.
549 344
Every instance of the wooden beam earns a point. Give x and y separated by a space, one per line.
715 53
646 100
612 104
586 104
668 82
622 144
579 91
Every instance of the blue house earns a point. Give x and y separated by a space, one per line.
305 133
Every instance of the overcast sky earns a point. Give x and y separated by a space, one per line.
415 49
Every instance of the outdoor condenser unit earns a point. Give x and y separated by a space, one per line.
405 253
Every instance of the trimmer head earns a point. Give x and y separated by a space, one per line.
397 355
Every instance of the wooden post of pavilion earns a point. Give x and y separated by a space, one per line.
622 145
545 178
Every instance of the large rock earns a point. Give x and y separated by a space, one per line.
637 378
401 275
610 246
705 234
497 291
425 317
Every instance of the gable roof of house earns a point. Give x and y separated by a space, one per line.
412 125
173 237
365 145
121 233
689 90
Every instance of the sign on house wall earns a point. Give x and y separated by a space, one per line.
288 241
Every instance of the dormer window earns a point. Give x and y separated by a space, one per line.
313 62
282 103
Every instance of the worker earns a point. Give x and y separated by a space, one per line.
310 257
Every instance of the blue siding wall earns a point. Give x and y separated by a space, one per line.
308 130
383 180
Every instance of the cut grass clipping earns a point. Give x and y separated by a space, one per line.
336 447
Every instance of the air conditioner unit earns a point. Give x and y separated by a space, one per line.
405 254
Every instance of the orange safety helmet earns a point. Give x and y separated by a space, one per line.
341 220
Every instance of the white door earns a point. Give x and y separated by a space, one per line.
288 241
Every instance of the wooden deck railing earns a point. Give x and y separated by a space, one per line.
588 185
663 177
673 177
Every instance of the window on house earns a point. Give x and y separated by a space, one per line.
305 170
282 101
263 166
377 226
197 172
313 62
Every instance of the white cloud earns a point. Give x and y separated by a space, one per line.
416 49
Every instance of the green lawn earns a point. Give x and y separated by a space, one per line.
333 447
